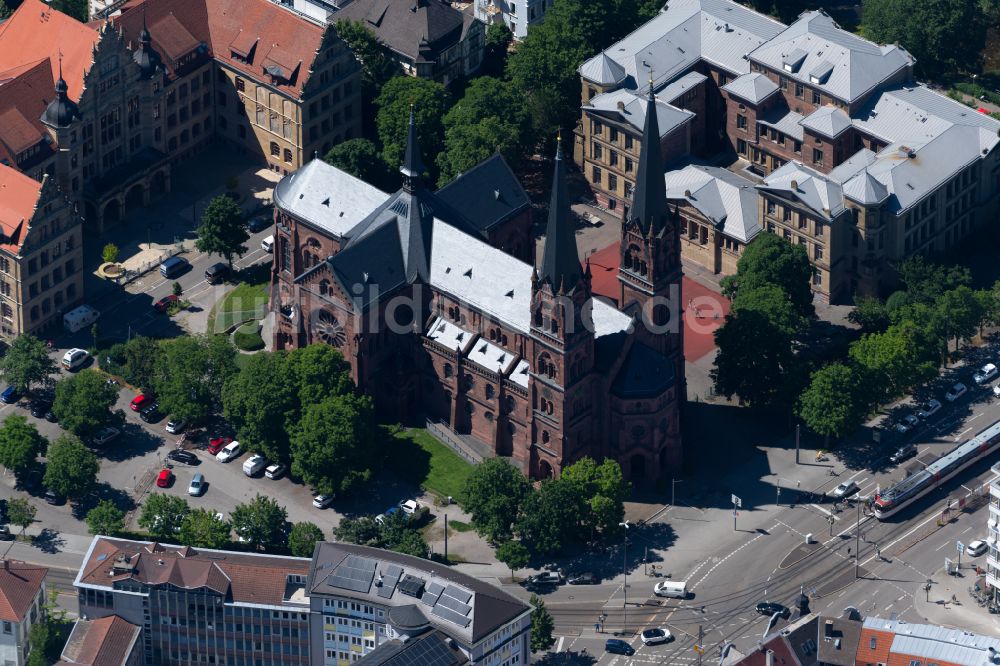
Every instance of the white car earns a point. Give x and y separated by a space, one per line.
322 501
929 409
845 489
275 471
956 392
409 507
656 636
74 358
976 548
985 374
231 451
907 423
174 426
996 390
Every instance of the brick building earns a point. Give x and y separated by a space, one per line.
441 318
860 164
105 110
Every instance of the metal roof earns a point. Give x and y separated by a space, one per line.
830 121
811 187
602 70
788 123
754 87
936 643
722 196
819 53
633 110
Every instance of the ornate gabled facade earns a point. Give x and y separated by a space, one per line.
438 323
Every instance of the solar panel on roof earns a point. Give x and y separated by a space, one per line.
348 583
430 650
454 604
389 579
451 616
458 593
354 573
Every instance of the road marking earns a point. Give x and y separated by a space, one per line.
559 645
962 433
946 543
934 516
976 416
826 511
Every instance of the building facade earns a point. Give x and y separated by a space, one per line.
859 163
122 101
22 588
993 538
367 601
517 15
41 253
441 319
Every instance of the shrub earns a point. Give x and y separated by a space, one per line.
247 337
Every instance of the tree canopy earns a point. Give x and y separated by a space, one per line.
430 101
303 539
772 260
162 515
21 512
83 402
361 158
493 496
332 446
27 362
377 66
70 469
106 519
835 402
222 229
20 444
542 625
514 554
261 522
190 374
201 528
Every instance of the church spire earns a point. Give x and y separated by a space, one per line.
649 202
413 167
560 261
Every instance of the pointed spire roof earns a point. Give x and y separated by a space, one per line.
649 201
61 111
413 167
560 261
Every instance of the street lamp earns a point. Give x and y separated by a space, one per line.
857 545
625 584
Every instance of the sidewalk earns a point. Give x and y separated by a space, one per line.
936 607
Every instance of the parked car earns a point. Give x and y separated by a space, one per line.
770 608
956 392
10 395
105 435
217 443
151 413
275 471
985 374
165 478
267 244
74 358
587 578
175 425
384 516
5 534
40 408
929 409
54 498
907 423
546 578
656 636
845 489
409 507
253 465
139 402
230 451
216 273
976 548
618 646
996 390
197 485
322 501
259 222
903 453
164 303
183 457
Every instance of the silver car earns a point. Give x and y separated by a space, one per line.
197 486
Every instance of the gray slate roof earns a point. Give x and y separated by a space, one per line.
815 190
402 30
602 70
467 194
722 196
819 53
828 120
864 188
718 31
668 117
935 643
788 123
754 87
680 86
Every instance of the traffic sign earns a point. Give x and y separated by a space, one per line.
700 649
737 502
960 547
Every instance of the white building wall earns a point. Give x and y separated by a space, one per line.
993 537
516 14
14 635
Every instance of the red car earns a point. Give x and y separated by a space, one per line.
164 303
165 478
139 402
216 444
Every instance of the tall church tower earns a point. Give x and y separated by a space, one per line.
650 268
562 341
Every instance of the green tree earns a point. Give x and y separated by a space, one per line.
771 301
362 530
834 402
106 519
78 9
201 528
377 66
945 36
771 260
20 444
303 539
962 313
430 101
892 361
110 253
550 518
542 625
27 362
514 554
317 372
870 313
332 446
190 373
361 158
498 39
83 402
604 490
925 281
493 496
222 230
261 523
398 533
176 288
162 516
139 362
70 469
21 513
257 400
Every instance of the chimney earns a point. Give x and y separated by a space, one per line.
621 106
769 657
795 185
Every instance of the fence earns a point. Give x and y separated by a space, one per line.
445 435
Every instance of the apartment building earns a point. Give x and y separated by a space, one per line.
993 538
898 642
216 607
41 253
859 164
106 641
517 15
369 604
22 600
107 107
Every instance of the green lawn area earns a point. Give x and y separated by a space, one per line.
246 301
459 526
421 459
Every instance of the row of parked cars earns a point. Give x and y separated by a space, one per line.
984 375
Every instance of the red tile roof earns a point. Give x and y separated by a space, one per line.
19 582
25 91
228 26
36 31
18 197
107 641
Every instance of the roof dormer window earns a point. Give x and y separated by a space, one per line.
793 60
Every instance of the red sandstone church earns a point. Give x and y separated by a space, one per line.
432 299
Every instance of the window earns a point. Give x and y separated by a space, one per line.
741 121
817 156
612 182
629 165
783 83
817 279
798 90
7 627
816 97
240 84
818 253
288 155
275 150
595 175
872 643
771 208
628 142
797 147
613 158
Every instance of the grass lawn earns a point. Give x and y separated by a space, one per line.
246 301
459 526
421 459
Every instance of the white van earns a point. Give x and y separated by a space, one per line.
254 464
267 244
80 317
74 358
671 589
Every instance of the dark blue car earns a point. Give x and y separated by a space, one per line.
10 395
618 646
